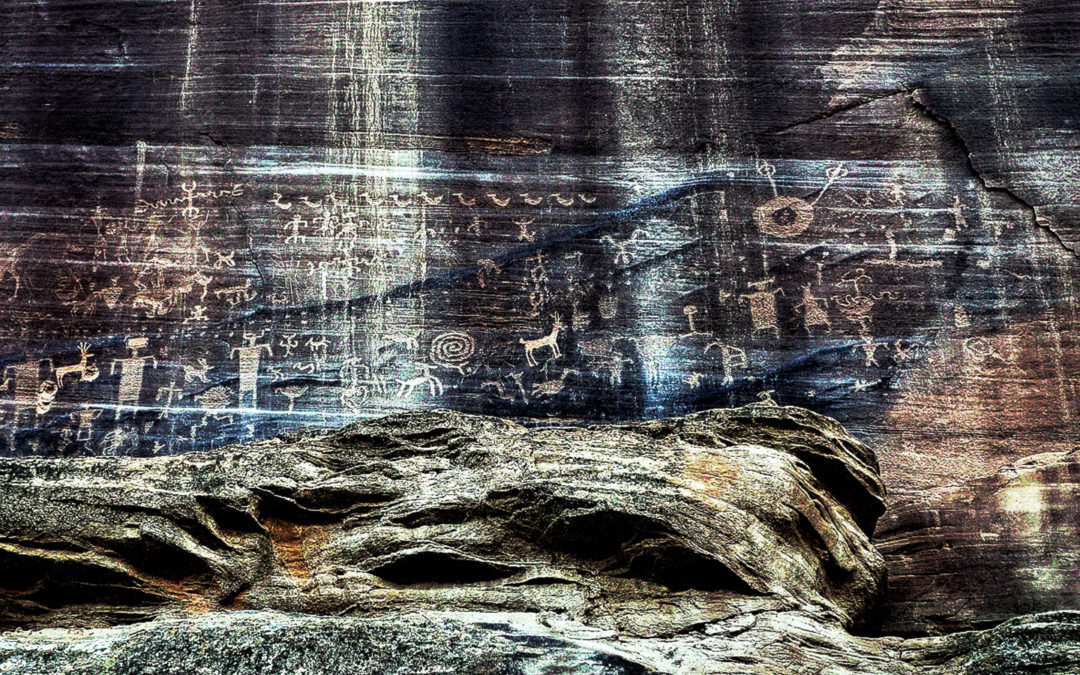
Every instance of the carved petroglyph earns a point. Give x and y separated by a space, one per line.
654 350
763 314
453 349
87 372
250 355
789 216
131 372
730 358
408 387
814 310
551 340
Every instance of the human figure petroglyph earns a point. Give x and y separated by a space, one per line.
550 340
84 422
693 380
27 383
408 387
327 224
690 311
289 342
131 372
202 280
316 345
87 372
250 355
853 278
763 315
190 211
653 349
292 393
168 394
869 347
9 265
814 310
602 356
295 235
524 233
863 385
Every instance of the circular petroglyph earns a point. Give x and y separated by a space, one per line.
452 349
784 216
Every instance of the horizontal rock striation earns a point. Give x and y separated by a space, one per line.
973 555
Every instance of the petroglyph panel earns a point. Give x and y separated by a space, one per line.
223 220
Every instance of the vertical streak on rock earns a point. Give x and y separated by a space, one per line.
375 48
192 46
1001 51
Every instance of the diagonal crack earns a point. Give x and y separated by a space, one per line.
838 110
916 99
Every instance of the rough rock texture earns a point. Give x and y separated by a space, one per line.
973 555
728 541
715 514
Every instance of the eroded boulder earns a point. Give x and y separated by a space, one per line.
716 514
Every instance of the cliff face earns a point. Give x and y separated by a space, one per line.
730 540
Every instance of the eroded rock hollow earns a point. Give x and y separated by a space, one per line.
734 540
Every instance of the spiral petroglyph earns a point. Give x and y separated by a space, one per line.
452 349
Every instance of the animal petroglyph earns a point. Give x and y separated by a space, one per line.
408 387
87 372
551 340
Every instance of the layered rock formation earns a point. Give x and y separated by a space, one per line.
975 554
732 540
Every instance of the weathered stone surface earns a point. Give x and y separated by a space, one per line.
793 643
973 555
646 529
